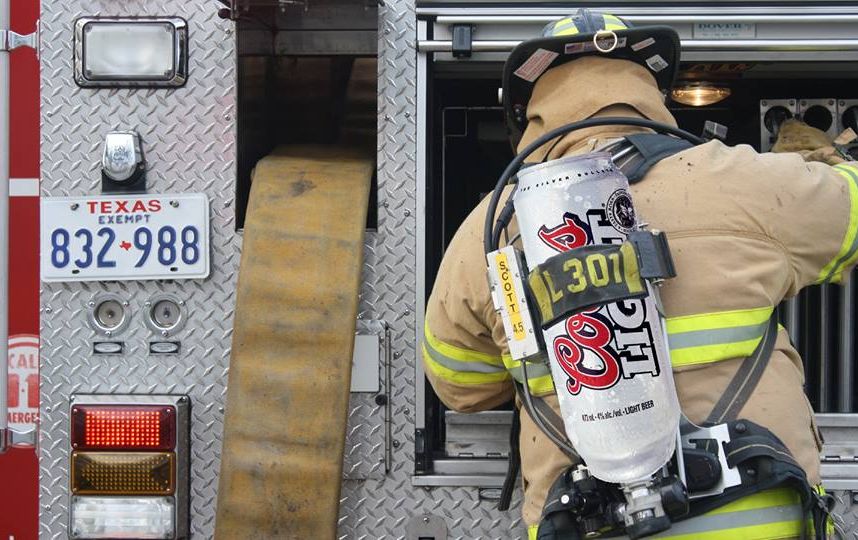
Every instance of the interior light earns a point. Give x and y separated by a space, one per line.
123 517
123 473
699 94
130 52
123 427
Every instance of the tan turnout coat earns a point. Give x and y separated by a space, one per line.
747 230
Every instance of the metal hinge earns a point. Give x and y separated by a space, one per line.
10 40
10 438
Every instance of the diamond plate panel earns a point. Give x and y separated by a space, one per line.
382 508
188 137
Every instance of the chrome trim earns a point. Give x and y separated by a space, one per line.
180 61
422 111
634 13
707 16
772 45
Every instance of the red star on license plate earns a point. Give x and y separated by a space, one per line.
125 245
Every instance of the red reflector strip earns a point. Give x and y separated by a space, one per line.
123 427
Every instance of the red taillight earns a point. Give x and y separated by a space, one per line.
123 427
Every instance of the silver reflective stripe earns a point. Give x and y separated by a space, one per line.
458 365
534 371
718 336
727 521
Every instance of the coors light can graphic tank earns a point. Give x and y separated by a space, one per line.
611 364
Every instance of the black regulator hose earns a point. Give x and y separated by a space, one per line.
491 236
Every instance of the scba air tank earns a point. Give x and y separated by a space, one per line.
610 365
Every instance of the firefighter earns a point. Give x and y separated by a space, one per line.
746 230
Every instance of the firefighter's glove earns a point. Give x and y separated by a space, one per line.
813 144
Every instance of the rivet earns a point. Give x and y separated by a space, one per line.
564 499
396 444
425 519
91 303
407 311
741 427
407 213
48 310
75 206
174 204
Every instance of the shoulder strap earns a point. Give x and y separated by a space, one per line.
746 378
645 150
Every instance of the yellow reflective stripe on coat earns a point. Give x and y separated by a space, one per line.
458 365
767 515
710 337
531 532
848 253
538 374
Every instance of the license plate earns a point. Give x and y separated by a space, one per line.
120 238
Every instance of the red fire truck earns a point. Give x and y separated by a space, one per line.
18 467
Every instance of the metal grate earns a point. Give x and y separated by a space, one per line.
821 322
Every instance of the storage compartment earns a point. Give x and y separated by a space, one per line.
306 75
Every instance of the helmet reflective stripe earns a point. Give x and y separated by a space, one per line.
613 23
583 23
563 27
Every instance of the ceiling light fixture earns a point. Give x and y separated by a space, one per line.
699 94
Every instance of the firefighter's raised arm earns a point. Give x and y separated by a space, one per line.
463 343
815 205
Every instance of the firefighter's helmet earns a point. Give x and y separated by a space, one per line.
584 33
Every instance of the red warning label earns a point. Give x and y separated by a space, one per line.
23 384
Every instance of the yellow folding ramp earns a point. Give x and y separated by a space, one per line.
290 369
